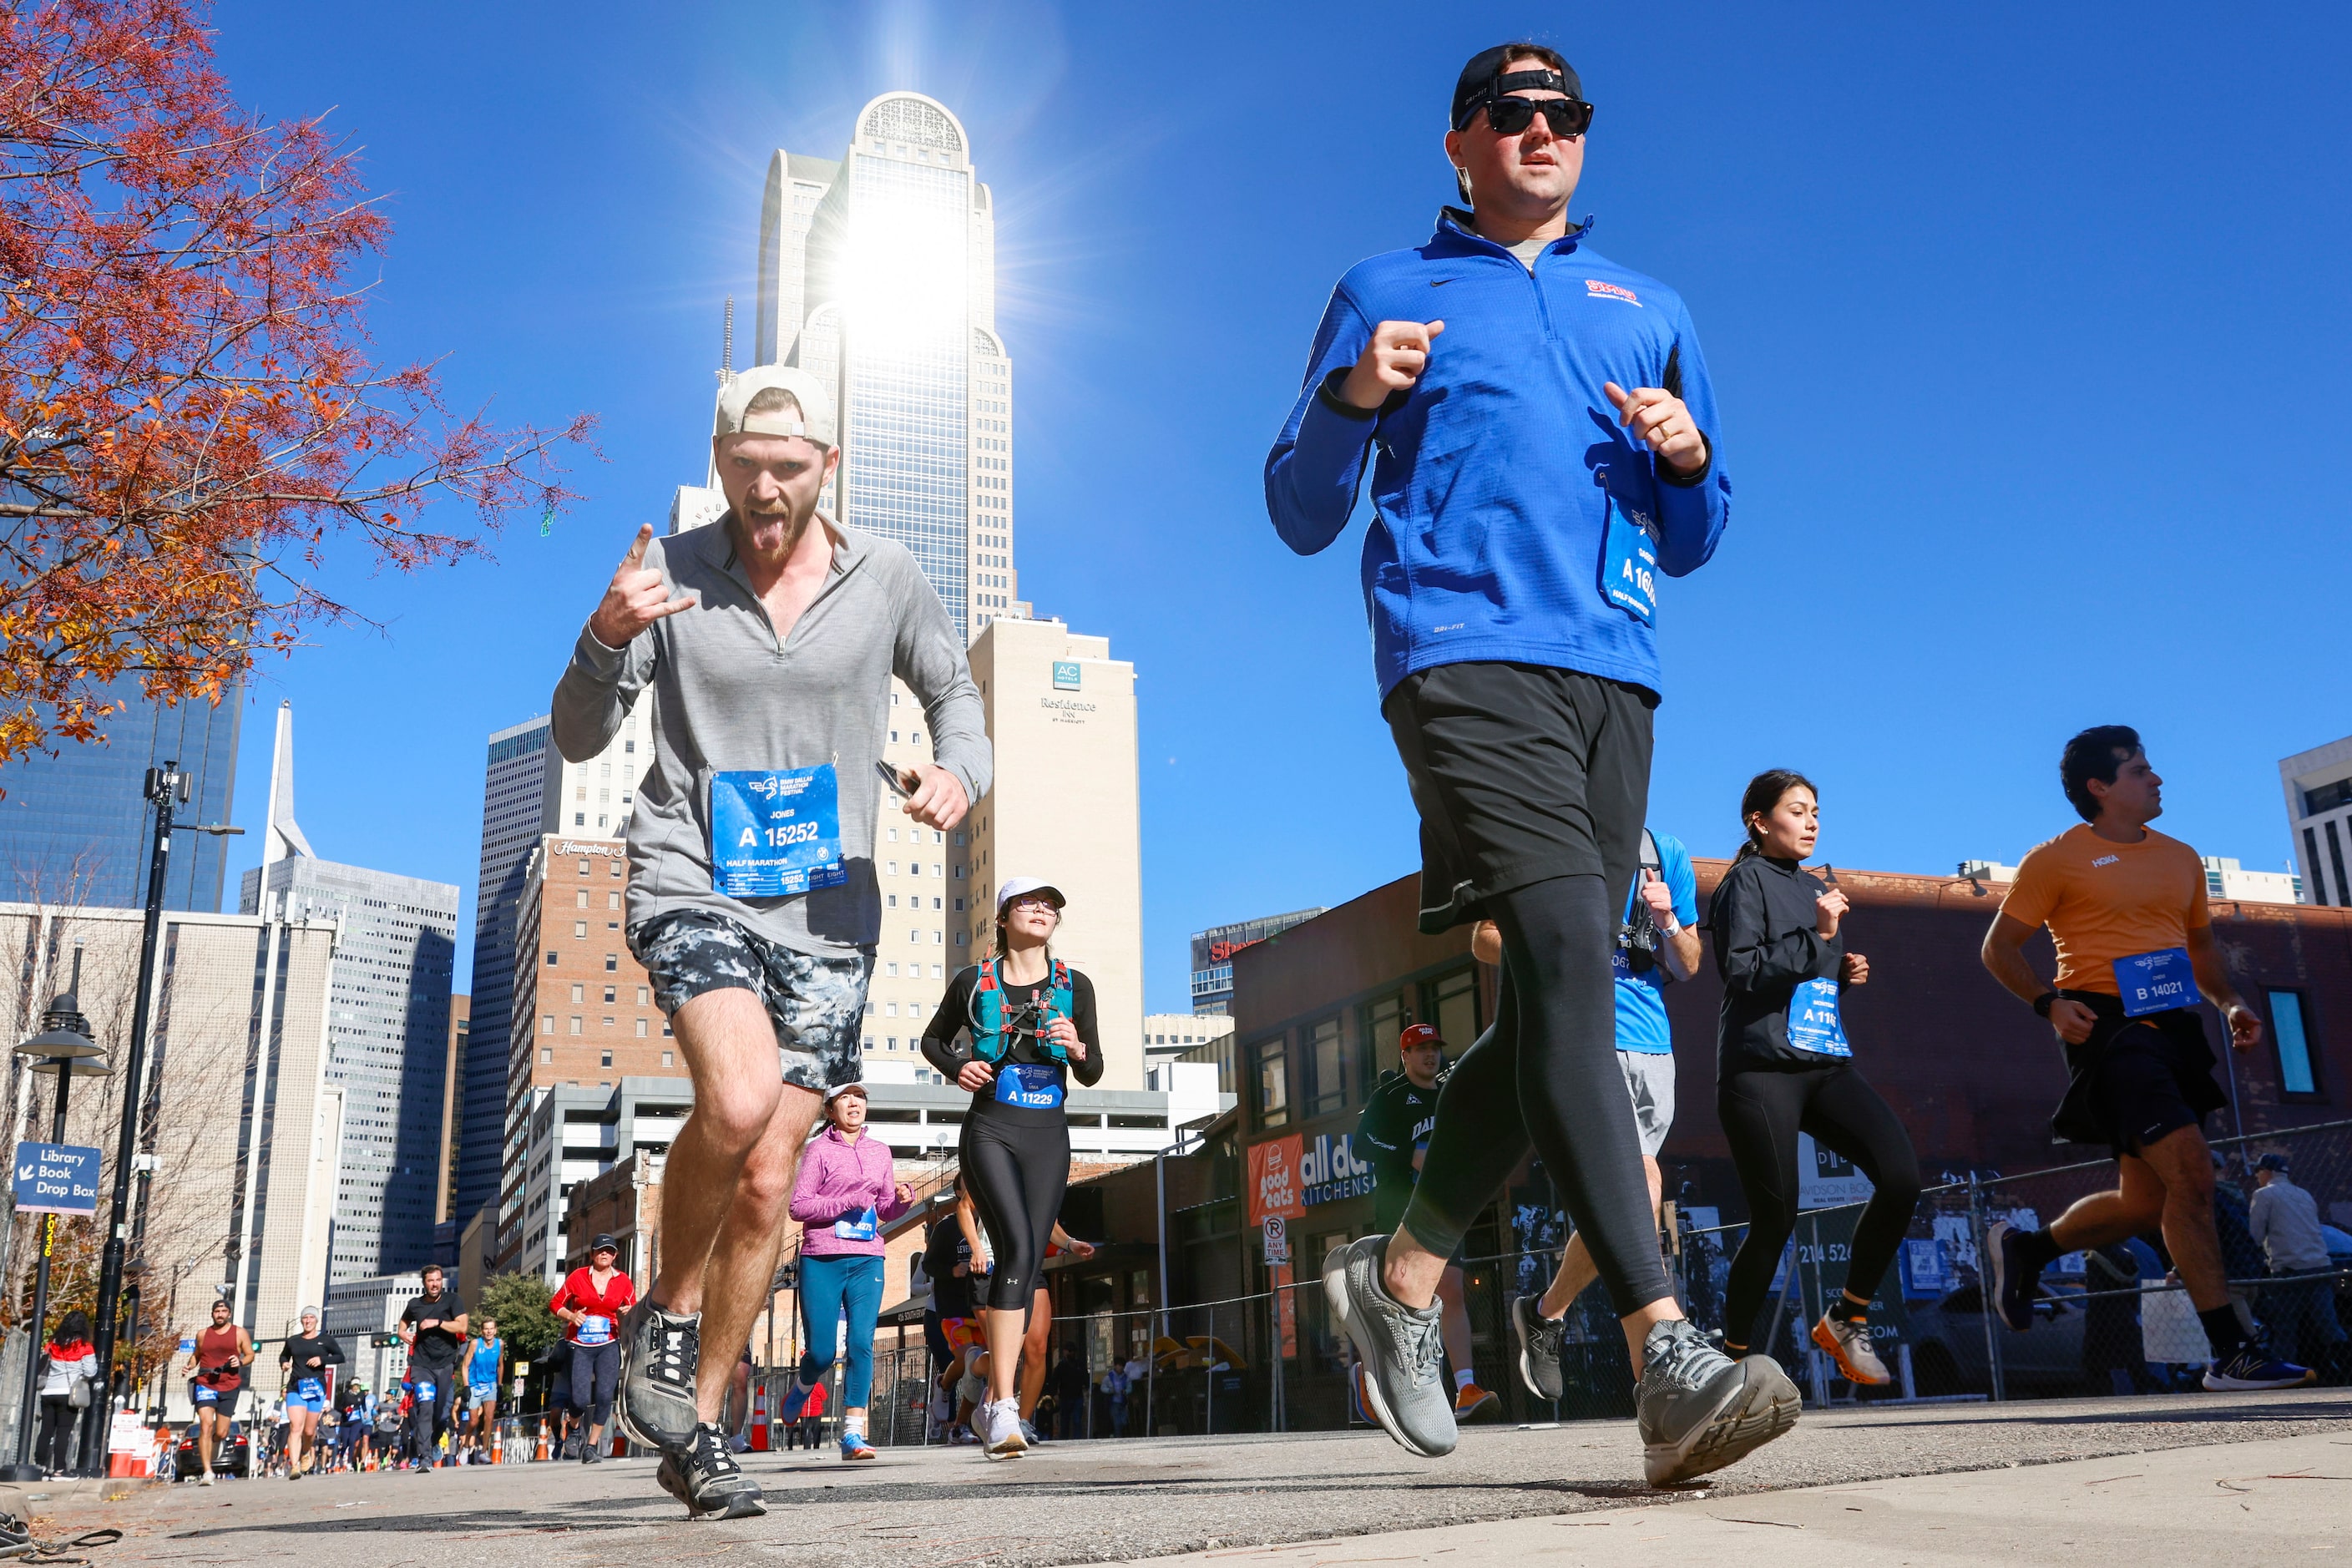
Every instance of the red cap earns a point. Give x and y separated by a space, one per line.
1420 1035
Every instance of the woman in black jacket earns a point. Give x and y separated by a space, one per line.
1783 1066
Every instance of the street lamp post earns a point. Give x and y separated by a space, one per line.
167 787
63 1048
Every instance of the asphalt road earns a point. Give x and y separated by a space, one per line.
1106 1501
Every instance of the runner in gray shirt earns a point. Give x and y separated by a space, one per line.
767 640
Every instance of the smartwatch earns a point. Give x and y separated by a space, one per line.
2042 1003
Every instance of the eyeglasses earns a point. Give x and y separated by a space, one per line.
1565 116
1034 902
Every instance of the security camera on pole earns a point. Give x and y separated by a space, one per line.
167 787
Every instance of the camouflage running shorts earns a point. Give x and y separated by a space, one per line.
816 1003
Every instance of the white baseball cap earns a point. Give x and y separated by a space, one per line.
816 422
1019 887
837 1090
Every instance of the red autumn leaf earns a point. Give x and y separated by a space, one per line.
188 402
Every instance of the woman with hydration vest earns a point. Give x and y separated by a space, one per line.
1014 1030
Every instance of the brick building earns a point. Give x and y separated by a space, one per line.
582 1019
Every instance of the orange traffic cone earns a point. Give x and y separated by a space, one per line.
543 1439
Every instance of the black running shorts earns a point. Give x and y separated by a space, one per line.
2135 1079
1521 772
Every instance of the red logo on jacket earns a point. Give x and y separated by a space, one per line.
1610 290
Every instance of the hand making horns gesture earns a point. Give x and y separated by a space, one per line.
635 599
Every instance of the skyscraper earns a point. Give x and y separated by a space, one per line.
528 791
74 827
878 274
387 1025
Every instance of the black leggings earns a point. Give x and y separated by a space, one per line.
1763 1112
1546 1074
1016 1171
60 1422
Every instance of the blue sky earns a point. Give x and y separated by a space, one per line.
2028 324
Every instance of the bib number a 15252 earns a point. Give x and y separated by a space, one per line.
774 833
2157 982
1813 1023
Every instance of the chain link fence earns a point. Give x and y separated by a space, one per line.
2113 1322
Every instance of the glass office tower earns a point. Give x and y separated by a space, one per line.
74 827
877 273
518 806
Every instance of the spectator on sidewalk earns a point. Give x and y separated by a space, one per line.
2301 1311
68 1366
1068 1384
1113 1387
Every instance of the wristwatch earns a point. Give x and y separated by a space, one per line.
2042 1003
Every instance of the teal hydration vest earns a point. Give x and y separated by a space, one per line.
988 1042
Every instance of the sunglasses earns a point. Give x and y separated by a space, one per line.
1565 116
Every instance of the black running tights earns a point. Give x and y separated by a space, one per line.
1763 1112
1016 1171
1546 1076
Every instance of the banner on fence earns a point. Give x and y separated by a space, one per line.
1827 1179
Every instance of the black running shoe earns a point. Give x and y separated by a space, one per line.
706 1479
2015 1281
659 1353
1538 1339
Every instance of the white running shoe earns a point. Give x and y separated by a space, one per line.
1848 1344
1001 1421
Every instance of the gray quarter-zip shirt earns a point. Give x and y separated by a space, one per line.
729 695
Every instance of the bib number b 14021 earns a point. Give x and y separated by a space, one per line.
2157 982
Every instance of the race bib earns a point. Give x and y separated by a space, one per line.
483 1393
595 1330
859 1227
1629 558
424 1391
773 834
206 1396
1813 1024
2157 982
310 1388
1033 1085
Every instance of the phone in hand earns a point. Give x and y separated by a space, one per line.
890 776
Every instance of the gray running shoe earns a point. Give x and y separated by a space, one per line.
704 1477
1397 1346
659 1353
1699 1410
1537 1338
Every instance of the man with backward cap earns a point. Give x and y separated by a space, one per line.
769 638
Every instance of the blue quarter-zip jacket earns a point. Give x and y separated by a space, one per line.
1489 518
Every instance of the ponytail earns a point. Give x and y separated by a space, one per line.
1764 792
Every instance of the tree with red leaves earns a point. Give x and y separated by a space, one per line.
187 404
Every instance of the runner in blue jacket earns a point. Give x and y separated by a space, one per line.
1542 442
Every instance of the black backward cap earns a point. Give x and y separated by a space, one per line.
1482 80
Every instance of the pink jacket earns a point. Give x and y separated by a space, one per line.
839 1181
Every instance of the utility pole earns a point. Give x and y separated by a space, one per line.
166 788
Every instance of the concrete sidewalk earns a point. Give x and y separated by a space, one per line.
1093 1502
2237 1505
